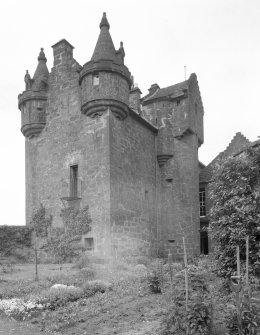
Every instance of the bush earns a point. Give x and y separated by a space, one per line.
249 315
235 213
155 277
82 262
198 316
92 287
59 295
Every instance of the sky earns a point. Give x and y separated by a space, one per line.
216 39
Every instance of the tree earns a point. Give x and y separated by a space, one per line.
40 223
63 242
235 213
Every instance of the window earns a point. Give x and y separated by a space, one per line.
178 102
202 202
96 79
89 243
204 242
74 181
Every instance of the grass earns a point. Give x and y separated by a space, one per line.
108 298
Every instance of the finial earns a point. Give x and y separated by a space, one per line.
104 21
42 56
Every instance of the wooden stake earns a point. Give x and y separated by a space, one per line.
36 257
239 320
186 278
238 261
247 260
170 268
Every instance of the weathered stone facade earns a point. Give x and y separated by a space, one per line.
135 160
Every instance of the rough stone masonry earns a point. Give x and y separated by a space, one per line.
92 140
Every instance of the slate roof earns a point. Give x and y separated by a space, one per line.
173 91
104 49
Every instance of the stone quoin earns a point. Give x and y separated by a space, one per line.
91 139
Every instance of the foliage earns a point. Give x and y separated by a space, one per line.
40 223
249 319
92 287
235 214
59 295
18 308
197 317
12 237
62 242
155 277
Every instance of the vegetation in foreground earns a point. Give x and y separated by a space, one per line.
118 297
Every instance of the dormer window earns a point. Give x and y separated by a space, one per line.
96 79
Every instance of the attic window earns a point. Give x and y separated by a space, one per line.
95 79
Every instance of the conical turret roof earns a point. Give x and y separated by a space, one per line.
104 49
41 73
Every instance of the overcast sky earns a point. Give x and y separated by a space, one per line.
216 39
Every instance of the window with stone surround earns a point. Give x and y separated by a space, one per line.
202 202
95 79
74 181
89 243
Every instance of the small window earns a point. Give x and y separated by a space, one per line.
178 102
169 180
96 79
202 202
89 243
74 181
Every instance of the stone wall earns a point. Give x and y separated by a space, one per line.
69 138
133 187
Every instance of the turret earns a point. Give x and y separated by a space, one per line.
105 80
32 102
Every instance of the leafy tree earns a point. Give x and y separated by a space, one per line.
235 213
40 223
62 242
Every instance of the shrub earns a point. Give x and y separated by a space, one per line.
197 317
235 213
18 308
249 315
155 277
82 262
92 287
59 295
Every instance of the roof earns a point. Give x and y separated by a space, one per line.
173 91
105 49
238 144
41 73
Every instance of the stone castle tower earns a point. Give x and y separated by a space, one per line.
92 140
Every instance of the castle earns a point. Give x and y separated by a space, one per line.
91 139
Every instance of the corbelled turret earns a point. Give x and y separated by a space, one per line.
32 102
105 80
